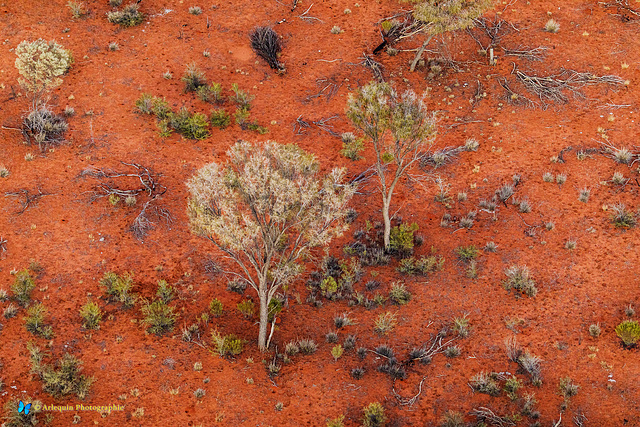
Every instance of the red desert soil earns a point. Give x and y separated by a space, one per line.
75 241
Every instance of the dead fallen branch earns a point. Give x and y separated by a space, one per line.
487 415
532 54
29 198
513 97
554 88
375 66
128 185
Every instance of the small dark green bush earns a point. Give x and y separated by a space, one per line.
165 291
191 126
144 104
629 332
210 93
351 146
220 118
159 317
35 321
422 266
622 218
518 279
193 78
401 238
467 253
118 288
485 383
129 16
22 287
160 108
241 98
247 308
307 346
91 315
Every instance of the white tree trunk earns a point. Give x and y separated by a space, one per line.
264 320
387 222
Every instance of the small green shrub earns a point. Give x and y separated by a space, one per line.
518 279
485 383
594 330
41 65
165 291
191 126
352 146
511 387
422 266
336 422
35 321
629 332
129 16
452 419
118 288
241 98
274 308
160 108
328 287
216 307
210 93
385 323
193 78
374 415
22 287
91 315
226 346
144 104
399 294
220 118
401 238
10 311
62 379
247 308
467 253
159 317
461 326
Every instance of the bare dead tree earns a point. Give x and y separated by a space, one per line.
114 183
29 198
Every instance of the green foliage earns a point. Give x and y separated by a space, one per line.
91 315
399 294
35 321
622 218
485 383
118 288
385 323
451 15
274 308
352 146
210 93
216 307
22 287
189 125
144 103
374 415
511 387
241 98
129 16
329 286
401 237
193 78
307 346
336 422
518 279
41 64
467 253
15 418
220 118
247 308
422 266
226 346
159 317
64 378
165 292
160 107
337 351
629 332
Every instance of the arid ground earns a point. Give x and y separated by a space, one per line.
585 268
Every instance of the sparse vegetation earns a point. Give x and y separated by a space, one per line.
621 217
385 323
374 415
118 288
159 317
91 315
552 26
62 379
518 279
35 321
129 16
23 286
